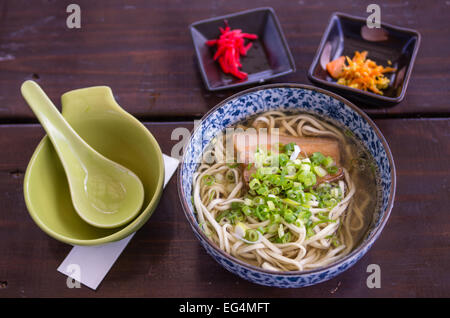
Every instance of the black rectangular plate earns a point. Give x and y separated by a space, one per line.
343 37
269 56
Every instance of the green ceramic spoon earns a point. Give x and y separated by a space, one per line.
104 193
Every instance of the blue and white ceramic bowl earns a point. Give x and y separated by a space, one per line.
288 97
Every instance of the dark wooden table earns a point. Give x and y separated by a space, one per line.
143 51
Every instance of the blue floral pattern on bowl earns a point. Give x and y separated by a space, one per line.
293 98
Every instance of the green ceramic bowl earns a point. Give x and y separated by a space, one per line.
105 126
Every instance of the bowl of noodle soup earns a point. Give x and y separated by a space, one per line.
286 185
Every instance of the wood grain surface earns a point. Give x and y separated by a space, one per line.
142 49
164 259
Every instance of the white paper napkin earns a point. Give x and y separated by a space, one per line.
90 264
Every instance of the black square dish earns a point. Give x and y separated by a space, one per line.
269 57
346 34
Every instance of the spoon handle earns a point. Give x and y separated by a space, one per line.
64 138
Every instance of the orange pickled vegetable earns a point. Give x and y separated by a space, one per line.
336 67
360 73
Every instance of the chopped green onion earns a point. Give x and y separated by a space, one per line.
287 184
297 185
291 170
275 191
254 184
235 205
294 194
261 230
321 172
329 202
310 232
263 190
306 160
235 217
286 238
289 148
305 167
310 197
298 223
291 202
317 158
268 170
275 218
335 242
240 229
222 215
261 212
280 231
322 216
281 190
248 202
328 162
308 179
209 180
336 192
305 215
247 210
289 216
272 228
332 170
258 200
251 235
283 159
